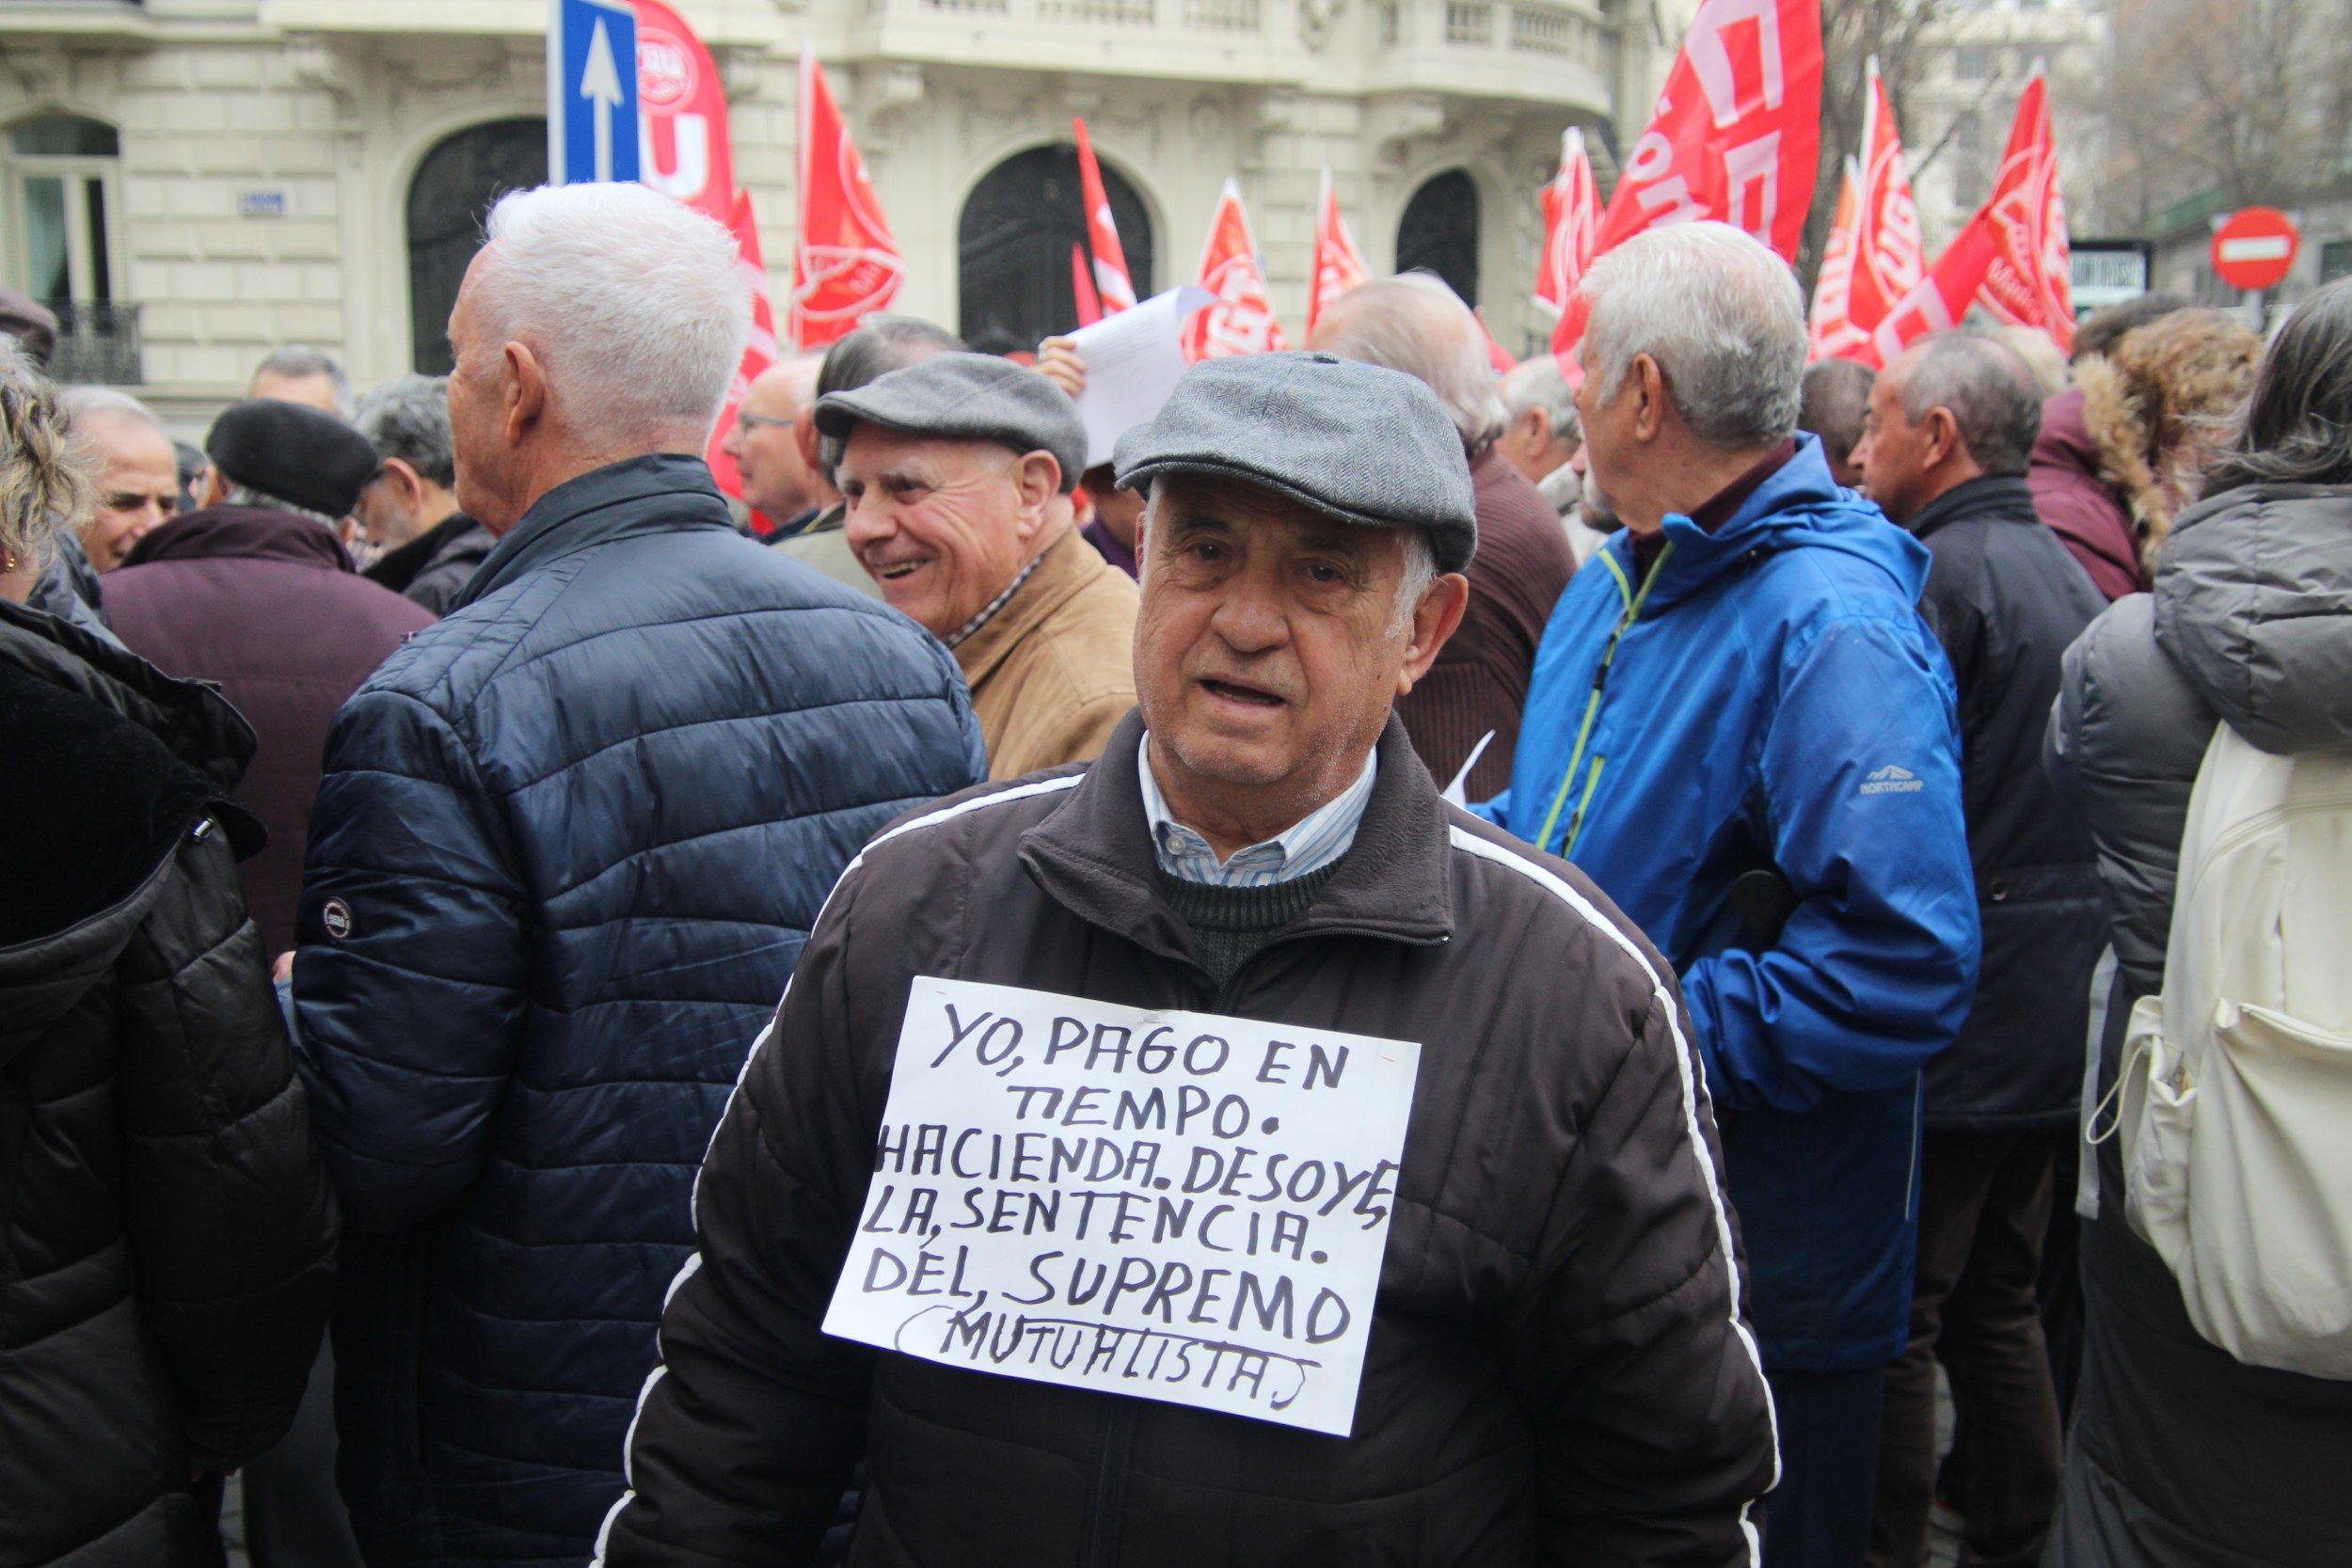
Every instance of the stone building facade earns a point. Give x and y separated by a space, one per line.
203 179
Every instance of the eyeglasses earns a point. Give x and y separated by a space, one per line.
755 420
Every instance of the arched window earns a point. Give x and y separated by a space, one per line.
1439 232
1014 247
63 226
454 191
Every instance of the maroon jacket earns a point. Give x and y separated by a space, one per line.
266 604
1480 680
2074 500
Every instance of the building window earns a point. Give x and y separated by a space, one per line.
454 191
1013 242
1439 232
2335 260
64 211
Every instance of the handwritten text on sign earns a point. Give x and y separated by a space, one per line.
1173 1205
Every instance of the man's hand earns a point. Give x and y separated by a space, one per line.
282 970
1059 361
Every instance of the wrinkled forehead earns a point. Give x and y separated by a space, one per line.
126 444
1182 504
874 451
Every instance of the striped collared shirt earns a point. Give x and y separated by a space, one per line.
988 612
1309 844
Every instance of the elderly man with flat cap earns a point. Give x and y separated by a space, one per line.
1553 1366
957 472
253 589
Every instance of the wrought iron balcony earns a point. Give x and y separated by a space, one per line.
96 342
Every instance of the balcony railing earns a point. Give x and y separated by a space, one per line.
96 342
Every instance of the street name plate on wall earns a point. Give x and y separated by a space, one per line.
1172 1205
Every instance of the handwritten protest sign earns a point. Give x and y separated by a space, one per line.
1173 1205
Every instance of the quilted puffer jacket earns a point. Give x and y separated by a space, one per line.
167 1236
568 845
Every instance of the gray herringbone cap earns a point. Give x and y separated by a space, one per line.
967 396
1354 442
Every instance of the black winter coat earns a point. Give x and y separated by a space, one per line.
433 568
167 1237
570 840
1559 1369
2004 598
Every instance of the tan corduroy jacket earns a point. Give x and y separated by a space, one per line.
1054 671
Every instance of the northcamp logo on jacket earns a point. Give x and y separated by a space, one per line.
1891 779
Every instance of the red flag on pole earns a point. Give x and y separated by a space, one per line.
1338 266
2030 282
1571 223
1497 356
846 266
1113 287
2011 258
1090 303
1240 319
760 350
1889 257
1735 137
1832 323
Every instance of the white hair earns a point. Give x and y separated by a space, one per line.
1414 324
635 305
81 402
1537 383
1720 312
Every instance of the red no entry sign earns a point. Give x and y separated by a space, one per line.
2254 248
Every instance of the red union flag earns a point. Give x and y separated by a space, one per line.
1241 320
2028 282
1832 323
683 147
1571 223
1888 255
1735 137
846 266
1338 266
1112 285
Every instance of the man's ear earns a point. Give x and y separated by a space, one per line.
211 485
1943 442
1435 620
1038 477
1647 383
1533 429
406 481
805 436
525 392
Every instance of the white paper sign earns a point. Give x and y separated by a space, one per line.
1172 1205
1134 361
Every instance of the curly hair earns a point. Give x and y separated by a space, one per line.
2161 392
43 485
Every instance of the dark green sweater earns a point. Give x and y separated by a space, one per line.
1230 923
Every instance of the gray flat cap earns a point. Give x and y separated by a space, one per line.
967 396
1355 441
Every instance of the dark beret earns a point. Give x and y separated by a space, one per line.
967 396
1351 441
293 451
30 322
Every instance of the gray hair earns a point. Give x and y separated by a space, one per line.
1722 315
1537 383
1987 389
1414 324
1836 400
81 402
408 418
635 305
44 486
299 361
245 495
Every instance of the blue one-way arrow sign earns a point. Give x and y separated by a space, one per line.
592 90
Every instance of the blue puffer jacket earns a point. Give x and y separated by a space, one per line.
568 845
1764 728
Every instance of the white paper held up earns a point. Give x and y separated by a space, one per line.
1133 359
1171 1205
1455 792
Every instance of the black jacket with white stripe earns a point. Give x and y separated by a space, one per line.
1558 1368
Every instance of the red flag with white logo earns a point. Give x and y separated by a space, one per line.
846 265
1338 266
1833 328
1082 286
683 147
1889 257
1113 287
2030 283
1735 137
1240 319
1571 224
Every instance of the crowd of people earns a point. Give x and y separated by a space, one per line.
1758 789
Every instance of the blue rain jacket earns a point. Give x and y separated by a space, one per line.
1764 727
